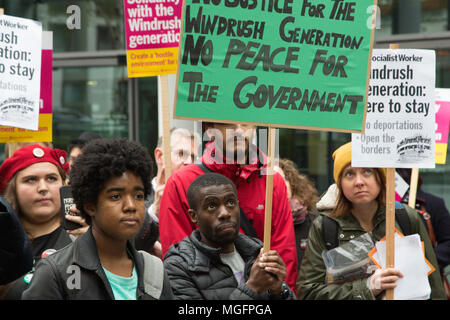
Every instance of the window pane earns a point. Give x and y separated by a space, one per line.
89 99
101 22
311 151
433 16
148 114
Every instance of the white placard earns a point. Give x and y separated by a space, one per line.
20 72
401 186
400 122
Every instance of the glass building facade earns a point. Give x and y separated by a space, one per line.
91 90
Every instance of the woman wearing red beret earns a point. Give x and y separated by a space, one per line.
30 180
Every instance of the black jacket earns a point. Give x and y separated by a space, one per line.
197 272
55 240
440 219
16 257
75 273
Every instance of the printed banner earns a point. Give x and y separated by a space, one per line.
297 64
400 123
20 72
442 124
45 127
152 30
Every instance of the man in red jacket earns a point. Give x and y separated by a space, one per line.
231 154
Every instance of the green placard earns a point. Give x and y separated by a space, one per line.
283 63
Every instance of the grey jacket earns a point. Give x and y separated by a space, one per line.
197 272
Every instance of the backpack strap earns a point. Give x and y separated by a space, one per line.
330 232
246 224
401 215
153 275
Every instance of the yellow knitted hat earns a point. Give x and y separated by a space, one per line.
343 157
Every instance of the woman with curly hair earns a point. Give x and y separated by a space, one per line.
302 196
110 181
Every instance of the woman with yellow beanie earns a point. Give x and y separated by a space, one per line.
360 209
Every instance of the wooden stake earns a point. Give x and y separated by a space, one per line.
390 224
413 187
390 217
164 83
269 189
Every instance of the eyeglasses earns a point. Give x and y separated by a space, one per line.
184 155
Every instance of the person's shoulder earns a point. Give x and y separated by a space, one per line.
188 172
183 249
278 179
65 252
250 241
431 199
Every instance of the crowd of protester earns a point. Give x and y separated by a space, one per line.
199 233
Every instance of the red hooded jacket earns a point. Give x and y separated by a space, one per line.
175 223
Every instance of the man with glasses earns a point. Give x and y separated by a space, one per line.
184 146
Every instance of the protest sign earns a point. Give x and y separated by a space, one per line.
295 64
20 72
152 30
44 132
400 122
401 187
442 124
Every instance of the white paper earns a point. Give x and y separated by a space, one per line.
410 261
401 186
20 72
400 120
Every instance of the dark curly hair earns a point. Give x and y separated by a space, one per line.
103 159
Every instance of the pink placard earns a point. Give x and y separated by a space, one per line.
152 25
46 81
442 121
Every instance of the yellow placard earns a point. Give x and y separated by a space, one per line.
441 153
44 133
152 62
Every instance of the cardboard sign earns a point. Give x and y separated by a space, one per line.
297 64
152 30
45 129
20 71
400 122
442 124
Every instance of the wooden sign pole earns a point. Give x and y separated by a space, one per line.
269 188
390 224
390 217
2 11
413 187
164 83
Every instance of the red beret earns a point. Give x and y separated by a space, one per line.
28 155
